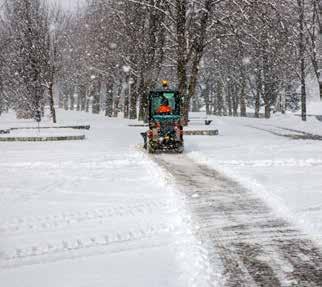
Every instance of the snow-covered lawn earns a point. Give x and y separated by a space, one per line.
285 172
90 213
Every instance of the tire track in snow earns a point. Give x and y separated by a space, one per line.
101 215
292 133
251 242
71 248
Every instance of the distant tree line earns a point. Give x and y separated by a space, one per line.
222 55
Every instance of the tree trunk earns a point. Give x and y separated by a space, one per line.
117 102
267 87
1 98
82 96
258 92
303 91
143 110
229 100
267 106
126 104
51 102
235 100
133 98
116 107
207 100
61 99
302 58
133 105
143 113
205 97
109 98
72 100
198 53
243 112
215 103
96 92
66 96
195 104
87 105
220 98
126 107
42 109
78 103
181 57
193 81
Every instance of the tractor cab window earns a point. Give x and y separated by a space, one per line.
164 103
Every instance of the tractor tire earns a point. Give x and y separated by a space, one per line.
180 149
150 148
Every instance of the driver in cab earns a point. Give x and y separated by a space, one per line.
164 107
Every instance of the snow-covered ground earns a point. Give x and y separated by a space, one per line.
43 133
101 212
284 171
90 213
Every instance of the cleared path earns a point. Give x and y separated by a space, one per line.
256 247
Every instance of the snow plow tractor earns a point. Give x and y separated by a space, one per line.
164 117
